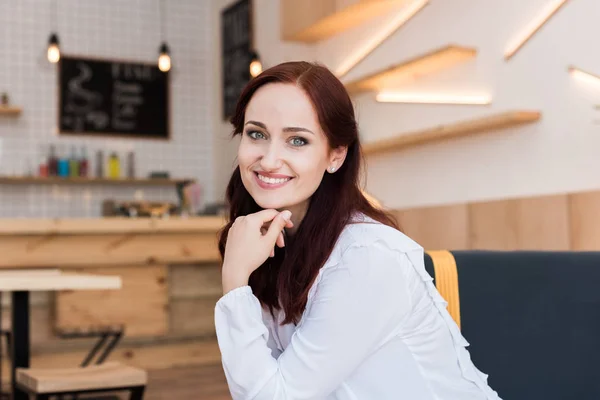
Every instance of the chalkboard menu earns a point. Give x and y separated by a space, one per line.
115 98
236 34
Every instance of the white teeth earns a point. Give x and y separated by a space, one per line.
272 181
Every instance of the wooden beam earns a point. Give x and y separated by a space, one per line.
10 111
550 9
450 131
415 68
310 21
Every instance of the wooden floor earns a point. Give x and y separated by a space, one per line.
206 382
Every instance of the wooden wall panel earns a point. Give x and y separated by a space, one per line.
196 280
538 223
543 223
193 316
584 211
435 228
141 304
492 225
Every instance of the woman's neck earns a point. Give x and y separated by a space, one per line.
298 213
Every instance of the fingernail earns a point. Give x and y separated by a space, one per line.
286 215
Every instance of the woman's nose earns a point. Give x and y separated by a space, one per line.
271 159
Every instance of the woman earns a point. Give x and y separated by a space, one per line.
324 298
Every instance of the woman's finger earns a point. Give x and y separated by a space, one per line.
280 242
277 226
263 216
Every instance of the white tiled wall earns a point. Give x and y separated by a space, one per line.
127 29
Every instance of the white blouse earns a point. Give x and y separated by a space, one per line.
374 328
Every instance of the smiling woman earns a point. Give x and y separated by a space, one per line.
324 297
283 147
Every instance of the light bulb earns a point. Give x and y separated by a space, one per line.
53 53
255 68
53 49
164 59
164 62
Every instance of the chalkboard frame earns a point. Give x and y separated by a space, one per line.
108 134
226 114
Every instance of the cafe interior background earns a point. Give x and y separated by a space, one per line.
480 123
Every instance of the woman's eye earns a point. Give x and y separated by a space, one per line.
298 141
255 135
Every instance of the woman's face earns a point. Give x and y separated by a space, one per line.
283 152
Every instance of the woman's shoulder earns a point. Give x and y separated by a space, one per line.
365 232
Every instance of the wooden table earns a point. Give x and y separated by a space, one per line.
20 283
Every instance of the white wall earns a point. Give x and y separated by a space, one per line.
107 29
558 154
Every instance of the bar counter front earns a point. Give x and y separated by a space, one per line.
170 276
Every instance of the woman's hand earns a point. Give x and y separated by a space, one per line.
249 244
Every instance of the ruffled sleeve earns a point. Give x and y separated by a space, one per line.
355 305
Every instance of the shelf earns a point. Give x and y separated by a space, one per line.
458 129
10 111
310 21
88 181
429 63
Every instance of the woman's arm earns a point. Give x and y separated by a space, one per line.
356 304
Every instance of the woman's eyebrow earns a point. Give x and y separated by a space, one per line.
287 129
257 124
297 129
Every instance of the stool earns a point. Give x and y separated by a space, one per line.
106 377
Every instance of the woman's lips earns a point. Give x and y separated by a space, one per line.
267 185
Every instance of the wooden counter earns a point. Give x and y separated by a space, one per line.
24 226
169 269
107 241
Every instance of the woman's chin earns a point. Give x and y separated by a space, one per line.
271 204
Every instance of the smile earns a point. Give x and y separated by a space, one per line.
271 183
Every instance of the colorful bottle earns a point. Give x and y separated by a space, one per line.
99 164
63 163
73 163
83 162
131 165
114 166
52 161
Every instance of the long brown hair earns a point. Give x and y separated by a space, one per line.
283 281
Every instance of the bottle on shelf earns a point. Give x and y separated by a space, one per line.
63 163
114 166
131 165
52 161
83 163
43 167
99 164
73 163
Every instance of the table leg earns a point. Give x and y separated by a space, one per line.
20 328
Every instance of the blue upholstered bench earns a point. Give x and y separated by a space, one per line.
532 318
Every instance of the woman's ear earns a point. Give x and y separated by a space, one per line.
337 157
